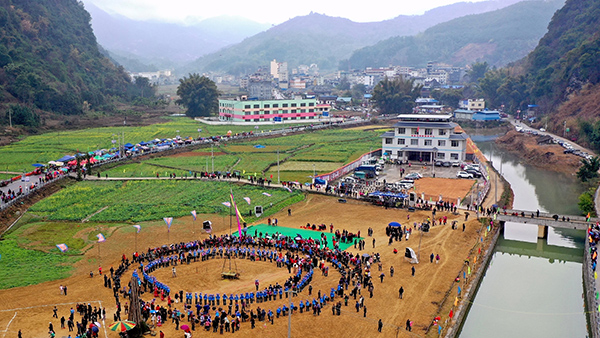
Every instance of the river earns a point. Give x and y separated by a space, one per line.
532 288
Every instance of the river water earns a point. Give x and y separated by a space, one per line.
532 288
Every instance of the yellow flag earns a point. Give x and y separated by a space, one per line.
239 214
455 301
475 260
595 275
243 171
469 270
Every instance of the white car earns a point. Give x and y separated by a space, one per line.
464 174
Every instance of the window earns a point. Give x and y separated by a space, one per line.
389 141
454 143
428 142
284 111
414 142
293 117
311 110
256 120
284 105
428 131
302 104
454 156
441 143
267 106
275 105
247 106
401 130
414 131
247 113
256 106
311 104
442 132
441 156
401 141
293 105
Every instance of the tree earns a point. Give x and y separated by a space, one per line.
358 91
144 86
586 202
588 169
396 96
448 97
477 71
199 95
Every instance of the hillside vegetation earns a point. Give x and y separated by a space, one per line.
49 60
498 37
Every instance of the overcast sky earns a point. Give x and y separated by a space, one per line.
265 11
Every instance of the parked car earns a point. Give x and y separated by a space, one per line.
473 172
414 176
447 164
464 174
439 163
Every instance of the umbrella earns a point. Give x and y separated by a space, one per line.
122 325
366 255
95 328
38 165
184 327
395 224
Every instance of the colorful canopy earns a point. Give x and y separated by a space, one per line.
122 325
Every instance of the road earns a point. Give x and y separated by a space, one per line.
575 145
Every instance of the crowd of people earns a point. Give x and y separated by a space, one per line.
222 312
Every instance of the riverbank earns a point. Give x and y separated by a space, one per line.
548 156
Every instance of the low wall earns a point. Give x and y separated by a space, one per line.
334 175
469 293
590 289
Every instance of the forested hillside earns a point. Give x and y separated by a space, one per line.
561 75
497 37
49 60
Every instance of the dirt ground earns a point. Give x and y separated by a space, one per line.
449 188
30 308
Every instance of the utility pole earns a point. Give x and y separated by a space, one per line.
212 158
10 119
277 165
564 129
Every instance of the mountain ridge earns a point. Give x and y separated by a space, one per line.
297 40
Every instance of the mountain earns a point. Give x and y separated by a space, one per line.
325 40
49 58
166 44
562 73
498 37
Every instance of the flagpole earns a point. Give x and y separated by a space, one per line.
136 240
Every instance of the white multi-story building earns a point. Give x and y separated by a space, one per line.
419 137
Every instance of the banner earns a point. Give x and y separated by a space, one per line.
247 199
168 221
101 238
227 204
237 214
266 194
194 214
138 227
62 247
